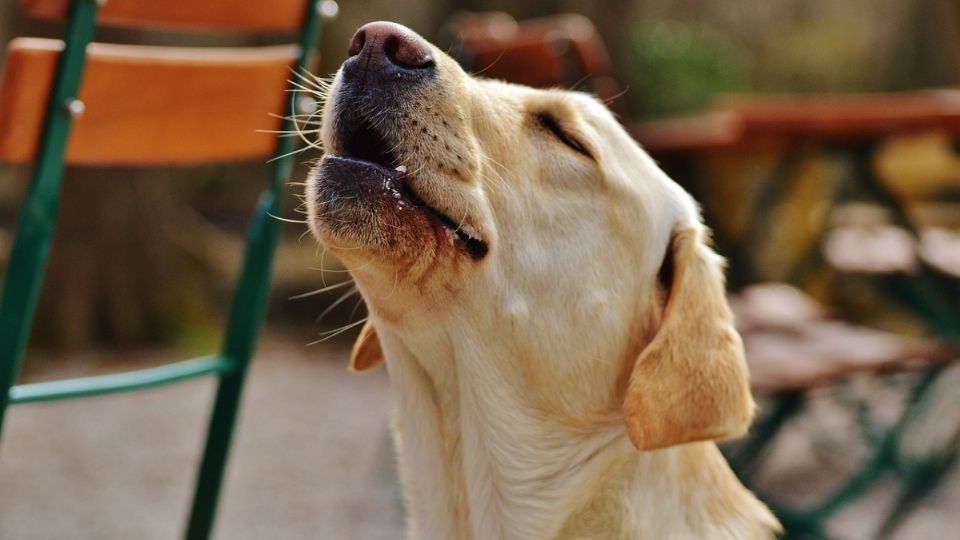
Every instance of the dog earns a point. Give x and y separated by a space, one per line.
552 318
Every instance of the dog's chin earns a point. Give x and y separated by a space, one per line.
364 209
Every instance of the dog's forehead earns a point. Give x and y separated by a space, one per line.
528 99
619 156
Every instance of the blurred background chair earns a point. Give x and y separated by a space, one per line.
559 51
98 104
793 345
813 353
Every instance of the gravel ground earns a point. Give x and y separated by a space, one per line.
311 459
307 462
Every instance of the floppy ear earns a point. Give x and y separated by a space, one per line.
366 353
691 382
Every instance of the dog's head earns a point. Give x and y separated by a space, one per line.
531 215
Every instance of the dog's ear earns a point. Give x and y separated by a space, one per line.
691 382
366 353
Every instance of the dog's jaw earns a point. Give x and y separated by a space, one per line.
397 185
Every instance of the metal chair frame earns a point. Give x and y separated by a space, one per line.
928 294
31 246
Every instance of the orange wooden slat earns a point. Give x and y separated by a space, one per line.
739 122
249 15
846 118
150 105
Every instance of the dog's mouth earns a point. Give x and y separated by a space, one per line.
368 147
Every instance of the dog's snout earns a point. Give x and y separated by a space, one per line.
380 45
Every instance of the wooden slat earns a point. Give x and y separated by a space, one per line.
846 118
740 122
150 105
248 15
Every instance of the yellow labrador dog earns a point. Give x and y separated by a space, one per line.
551 316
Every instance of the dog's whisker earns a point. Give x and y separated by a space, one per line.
396 280
321 253
301 118
287 220
337 302
319 291
491 64
334 333
330 270
289 133
288 154
304 75
356 306
302 133
318 91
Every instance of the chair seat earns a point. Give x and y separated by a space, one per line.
791 344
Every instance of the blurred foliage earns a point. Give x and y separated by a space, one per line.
821 55
693 62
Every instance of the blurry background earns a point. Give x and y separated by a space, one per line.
143 263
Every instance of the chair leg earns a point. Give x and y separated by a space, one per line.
246 318
28 260
247 313
213 464
38 212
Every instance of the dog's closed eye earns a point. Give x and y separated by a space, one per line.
550 123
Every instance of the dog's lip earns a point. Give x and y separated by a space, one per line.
363 166
466 235
365 142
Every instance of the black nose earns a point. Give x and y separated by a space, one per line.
389 48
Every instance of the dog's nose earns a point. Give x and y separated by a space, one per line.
380 45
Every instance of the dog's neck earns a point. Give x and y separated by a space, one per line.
491 446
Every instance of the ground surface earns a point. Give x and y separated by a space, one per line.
305 464
310 461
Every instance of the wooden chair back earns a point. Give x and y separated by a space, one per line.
85 103
149 105
560 51
249 16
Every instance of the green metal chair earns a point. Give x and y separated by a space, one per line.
92 87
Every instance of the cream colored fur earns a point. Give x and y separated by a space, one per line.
552 389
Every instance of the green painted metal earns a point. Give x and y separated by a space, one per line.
926 292
247 312
30 253
747 455
917 477
38 212
929 294
120 382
